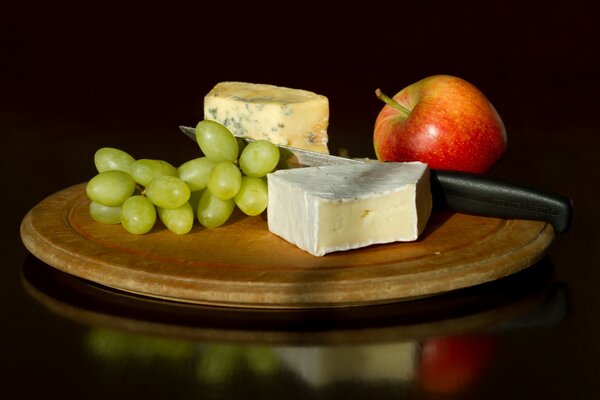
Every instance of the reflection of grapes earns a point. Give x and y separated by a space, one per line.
117 346
220 362
177 360
261 360
210 186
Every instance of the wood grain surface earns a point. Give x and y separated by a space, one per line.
242 264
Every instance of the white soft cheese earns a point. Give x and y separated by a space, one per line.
343 207
290 117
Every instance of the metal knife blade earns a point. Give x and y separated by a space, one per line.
292 156
459 191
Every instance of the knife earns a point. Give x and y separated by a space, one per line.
458 191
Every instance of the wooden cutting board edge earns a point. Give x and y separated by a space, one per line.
356 293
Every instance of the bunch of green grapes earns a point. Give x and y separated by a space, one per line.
135 193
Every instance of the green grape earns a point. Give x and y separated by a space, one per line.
144 170
194 199
253 197
216 141
110 188
196 172
225 180
259 158
105 214
138 215
167 192
213 211
108 159
179 220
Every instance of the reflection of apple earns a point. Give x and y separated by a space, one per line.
443 121
451 364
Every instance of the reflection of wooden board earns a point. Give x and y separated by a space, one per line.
243 264
530 295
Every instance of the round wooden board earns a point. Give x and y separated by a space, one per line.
242 264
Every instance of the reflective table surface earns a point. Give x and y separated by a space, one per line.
83 78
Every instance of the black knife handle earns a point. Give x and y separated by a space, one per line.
489 197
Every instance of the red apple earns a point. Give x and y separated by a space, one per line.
443 121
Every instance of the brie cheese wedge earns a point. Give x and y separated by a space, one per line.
342 207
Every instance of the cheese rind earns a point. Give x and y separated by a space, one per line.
290 117
343 207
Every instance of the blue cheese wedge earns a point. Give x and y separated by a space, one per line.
342 207
290 117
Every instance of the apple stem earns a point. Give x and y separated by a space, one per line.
391 102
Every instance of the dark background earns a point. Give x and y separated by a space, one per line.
87 75
152 63
76 76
